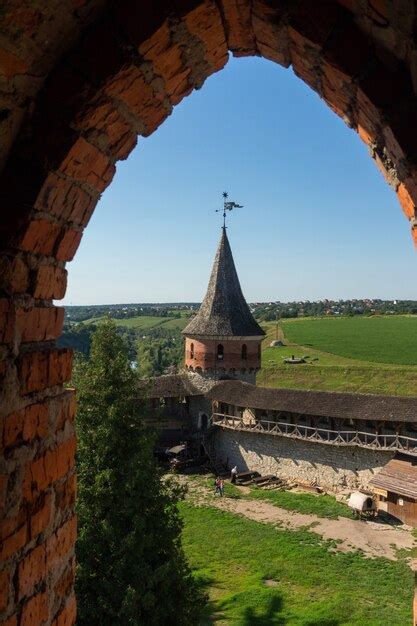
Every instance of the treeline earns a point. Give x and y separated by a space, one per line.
124 311
267 312
155 353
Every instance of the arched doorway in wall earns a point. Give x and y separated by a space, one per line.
117 73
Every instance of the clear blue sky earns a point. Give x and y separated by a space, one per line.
318 221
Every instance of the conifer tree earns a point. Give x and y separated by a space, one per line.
131 568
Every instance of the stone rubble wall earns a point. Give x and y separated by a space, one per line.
331 467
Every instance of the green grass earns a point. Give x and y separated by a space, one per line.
335 372
321 505
315 585
378 339
144 322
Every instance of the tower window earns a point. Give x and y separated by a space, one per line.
220 352
244 352
191 351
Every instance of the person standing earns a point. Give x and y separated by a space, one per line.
221 487
217 486
233 475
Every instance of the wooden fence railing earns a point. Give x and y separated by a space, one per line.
321 435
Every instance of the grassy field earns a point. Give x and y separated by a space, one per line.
378 339
258 575
332 347
144 322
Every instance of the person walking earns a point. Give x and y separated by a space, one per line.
217 486
233 475
221 487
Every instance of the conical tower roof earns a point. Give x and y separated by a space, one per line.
224 311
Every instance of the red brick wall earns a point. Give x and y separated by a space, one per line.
77 86
204 354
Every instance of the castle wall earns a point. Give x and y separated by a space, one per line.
202 354
331 467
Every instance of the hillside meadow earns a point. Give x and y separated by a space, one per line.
144 322
352 354
378 339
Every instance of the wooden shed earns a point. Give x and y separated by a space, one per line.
395 487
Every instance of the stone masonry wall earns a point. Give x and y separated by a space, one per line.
331 467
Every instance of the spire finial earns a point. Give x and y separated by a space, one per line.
228 206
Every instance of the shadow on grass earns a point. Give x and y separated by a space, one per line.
270 616
211 613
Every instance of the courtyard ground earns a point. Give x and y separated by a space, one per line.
262 564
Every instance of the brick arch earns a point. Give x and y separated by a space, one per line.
122 72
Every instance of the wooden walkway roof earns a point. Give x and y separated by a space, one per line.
316 403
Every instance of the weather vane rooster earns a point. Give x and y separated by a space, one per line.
228 206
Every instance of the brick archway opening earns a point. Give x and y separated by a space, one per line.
108 72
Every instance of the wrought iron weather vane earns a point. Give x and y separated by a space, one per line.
228 206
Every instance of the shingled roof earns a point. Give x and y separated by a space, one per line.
224 311
170 386
399 476
317 403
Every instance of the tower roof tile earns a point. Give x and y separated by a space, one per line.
224 311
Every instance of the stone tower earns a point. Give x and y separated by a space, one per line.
223 340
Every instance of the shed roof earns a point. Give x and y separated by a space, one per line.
319 403
171 386
398 476
224 311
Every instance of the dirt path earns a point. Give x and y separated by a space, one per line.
373 538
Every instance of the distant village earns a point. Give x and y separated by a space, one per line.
263 311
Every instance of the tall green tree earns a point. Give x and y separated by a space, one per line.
131 567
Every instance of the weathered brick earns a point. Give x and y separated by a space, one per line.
41 369
112 128
14 542
65 410
63 586
238 20
31 570
26 424
61 543
68 613
40 323
68 245
39 520
65 493
50 282
6 321
130 87
60 366
406 201
35 611
4 589
205 23
43 471
13 428
35 421
86 163
65 199
14 275
40 237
